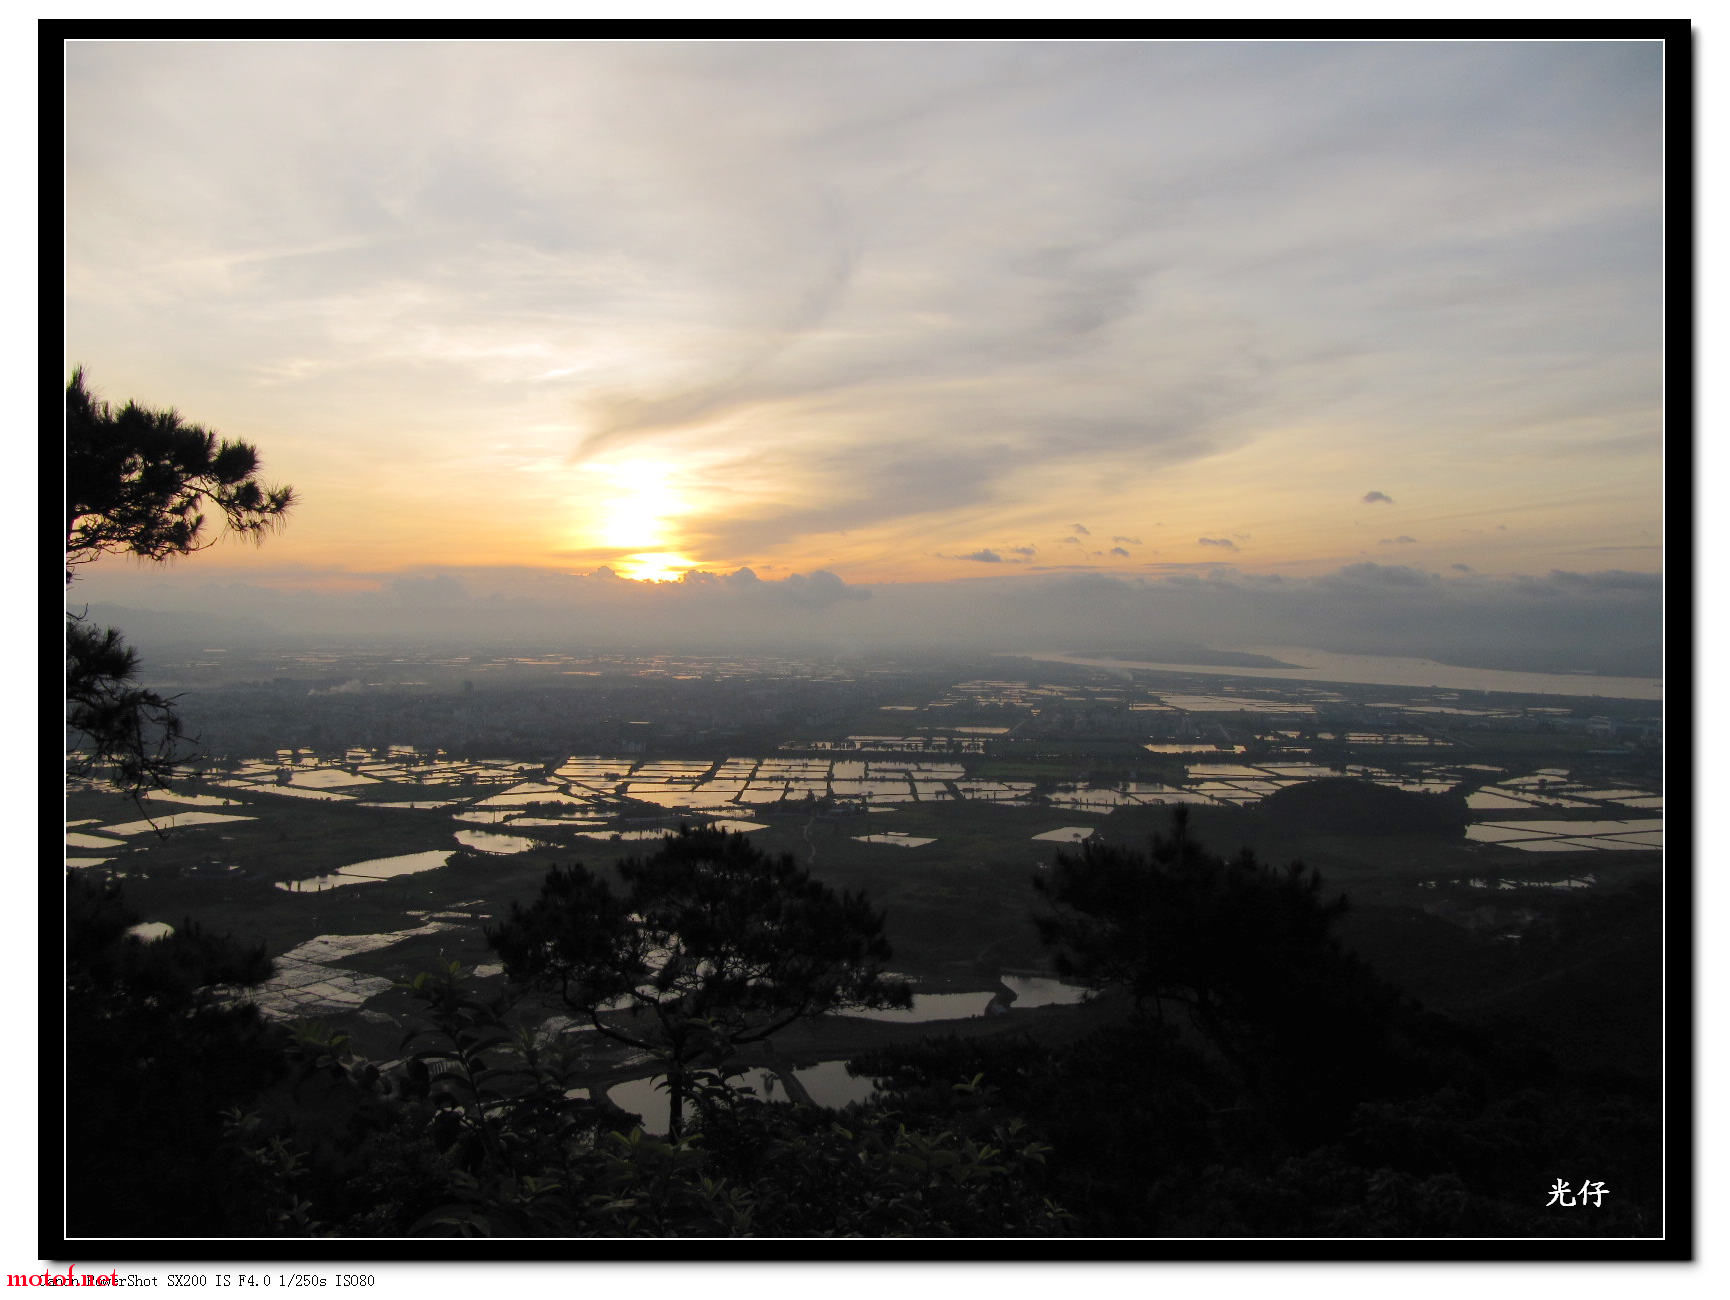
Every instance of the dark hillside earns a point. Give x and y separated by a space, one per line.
1343 806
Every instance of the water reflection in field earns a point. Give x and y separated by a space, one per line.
172 796
1043 991
79 840
374 869
172 821
492 842
932 1006
644 1097
827 1084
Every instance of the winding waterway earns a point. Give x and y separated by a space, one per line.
1322 666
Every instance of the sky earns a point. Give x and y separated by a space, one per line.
1266 342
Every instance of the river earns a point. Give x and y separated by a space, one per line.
1322 666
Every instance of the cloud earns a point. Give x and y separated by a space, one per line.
1118 550
1401 540
820 277
817 589
1462 568
1082 530
1224 542
1024 550
984 557
1606 580
1128 541
1369 576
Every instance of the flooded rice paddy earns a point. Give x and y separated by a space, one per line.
599 797
172 821
826 1084
80 840
490 842
307 984
928 1007
375 869
1043 991
1584 880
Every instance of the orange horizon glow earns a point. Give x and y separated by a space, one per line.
653 566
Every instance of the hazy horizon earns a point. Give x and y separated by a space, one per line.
1606 623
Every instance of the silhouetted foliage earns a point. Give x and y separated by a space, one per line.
130 730
1247 950
714 945
154 1055
481 1133
483 1130
966 1168
1176 922
1146 1135
139 482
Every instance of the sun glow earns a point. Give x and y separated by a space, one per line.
641 504
653 566
635 513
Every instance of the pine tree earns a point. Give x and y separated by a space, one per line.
714 945
140 482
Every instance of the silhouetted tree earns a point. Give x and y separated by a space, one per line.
714 945
154 1054
122 726
1246 949
140 482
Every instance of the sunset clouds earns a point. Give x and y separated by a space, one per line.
890 311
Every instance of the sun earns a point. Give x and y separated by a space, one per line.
653 566
640 505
